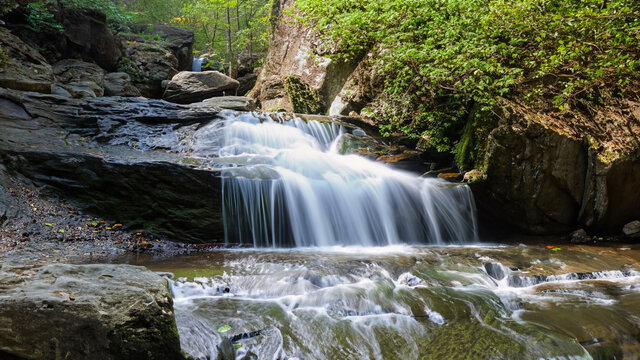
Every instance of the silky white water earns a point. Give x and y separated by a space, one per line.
287 183
410 302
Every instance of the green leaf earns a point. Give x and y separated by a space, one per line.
48 224
61 231
237 346
224 328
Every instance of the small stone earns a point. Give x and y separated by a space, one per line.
579 236
632 229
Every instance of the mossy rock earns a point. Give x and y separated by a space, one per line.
304 99
472 148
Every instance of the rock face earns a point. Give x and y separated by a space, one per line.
126 159
544 176
119 84
78 78
148 64
179 41
86 311
296 50
88 37
189 87
23 68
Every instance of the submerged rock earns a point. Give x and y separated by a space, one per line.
86 311
495 270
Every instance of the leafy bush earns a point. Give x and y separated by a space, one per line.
440 58
41 14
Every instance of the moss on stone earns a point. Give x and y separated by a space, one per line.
304 99
472 147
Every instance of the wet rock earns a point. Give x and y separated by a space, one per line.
226 350
495 270
632 229
241 103
101 154
86 311
24 68
189 87
119 84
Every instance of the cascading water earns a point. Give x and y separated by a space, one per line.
289 185
197 64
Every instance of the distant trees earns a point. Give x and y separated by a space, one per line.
227 28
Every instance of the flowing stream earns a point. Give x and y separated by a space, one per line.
350 259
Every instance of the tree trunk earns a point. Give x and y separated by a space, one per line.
232 66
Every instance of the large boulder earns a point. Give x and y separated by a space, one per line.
179 41
148 64
88 37
78 78
189 87
86 311
22 67
297 49
119 84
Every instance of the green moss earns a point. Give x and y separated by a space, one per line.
472 147
304 99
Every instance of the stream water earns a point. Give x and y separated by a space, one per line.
348 260
409 302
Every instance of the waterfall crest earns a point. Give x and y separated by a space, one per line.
287 184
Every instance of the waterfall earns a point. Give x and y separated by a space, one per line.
287 184
197 64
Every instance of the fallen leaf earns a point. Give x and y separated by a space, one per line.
61 231
556 249
224 328
108 228
48 224
117 225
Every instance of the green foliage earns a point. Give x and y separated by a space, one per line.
248 24
41 14
40 18
440 58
